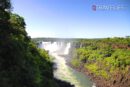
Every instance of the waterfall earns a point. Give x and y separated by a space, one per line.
56 47
51 46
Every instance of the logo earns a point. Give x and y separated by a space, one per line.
108 7
94 7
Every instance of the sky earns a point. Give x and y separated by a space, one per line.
75 18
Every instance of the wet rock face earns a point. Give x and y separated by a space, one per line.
63 83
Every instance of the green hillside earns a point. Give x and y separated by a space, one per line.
107 59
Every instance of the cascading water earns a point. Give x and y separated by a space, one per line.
66 51
63 71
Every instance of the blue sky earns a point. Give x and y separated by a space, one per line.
74 18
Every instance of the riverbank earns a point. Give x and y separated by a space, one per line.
117 80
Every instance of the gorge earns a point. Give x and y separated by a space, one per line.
60 50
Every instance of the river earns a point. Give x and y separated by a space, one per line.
63 72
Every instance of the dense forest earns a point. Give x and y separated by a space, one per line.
106 61
22 64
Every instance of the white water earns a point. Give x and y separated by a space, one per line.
66 51
64 72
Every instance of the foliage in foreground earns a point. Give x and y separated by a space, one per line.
22 64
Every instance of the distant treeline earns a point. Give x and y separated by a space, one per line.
52 39
65 39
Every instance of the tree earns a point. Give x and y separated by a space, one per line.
21 63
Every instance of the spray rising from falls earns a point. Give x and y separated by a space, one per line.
63 71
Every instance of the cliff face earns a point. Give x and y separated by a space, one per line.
117 81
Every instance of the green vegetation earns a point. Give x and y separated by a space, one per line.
103 57
22 64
